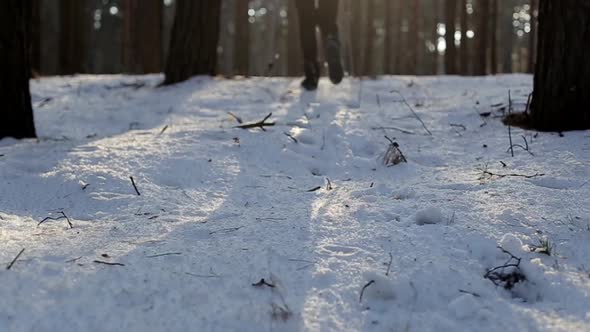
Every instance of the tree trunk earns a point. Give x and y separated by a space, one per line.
561 99
15 69
142 36
494 37
242 37
464 49
533 36
368 68
35 37
389 31
193 46
71 41
451 51
294 56
482 34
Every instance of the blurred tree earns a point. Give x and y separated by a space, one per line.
368 68
464 47
242 38
561 97
482 36
15 69
72 37
450 23
142 36
193 45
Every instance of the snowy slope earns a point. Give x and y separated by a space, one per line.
221 208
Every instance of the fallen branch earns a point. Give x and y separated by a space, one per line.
509 126
108 263
291 137
134 186
328 184
470 293
63 216
260 124
237 118
9 266
513 175
314 189
165 254
163 130
389 264
363 290
226 230
413 112
263 282
405 131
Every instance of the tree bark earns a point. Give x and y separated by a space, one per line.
294 56
451 51
368 68
142 36
464 49
15 69
494 37
71 41
193 46
533 36
482 37
561 98
242 37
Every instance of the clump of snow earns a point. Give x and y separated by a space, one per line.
429 216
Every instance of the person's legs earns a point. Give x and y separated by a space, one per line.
327 20
307 14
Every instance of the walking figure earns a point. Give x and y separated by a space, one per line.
321 14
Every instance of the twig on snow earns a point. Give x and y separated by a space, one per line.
389 264
108 263
9 266
237 118
163 129
468 292
260 124
514 175
509 126
413 112
364 288
165 254
405 131
291 137
63 216
134 186
263 282
328 184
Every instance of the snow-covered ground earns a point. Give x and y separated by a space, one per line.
402 248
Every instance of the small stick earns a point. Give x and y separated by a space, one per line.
389 264
510 127
15 258
470 293
134 186
263 282
240 121
314 189
328 184
73 259
163 130
528 103
405 131
363 290
165 254
108 263
260 124
413 112
514 175
291 137
63 216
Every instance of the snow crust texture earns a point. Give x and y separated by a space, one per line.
342 242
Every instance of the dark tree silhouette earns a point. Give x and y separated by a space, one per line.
561 98
193 45
16 113
142 36
451 51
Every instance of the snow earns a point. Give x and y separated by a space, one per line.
221 208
